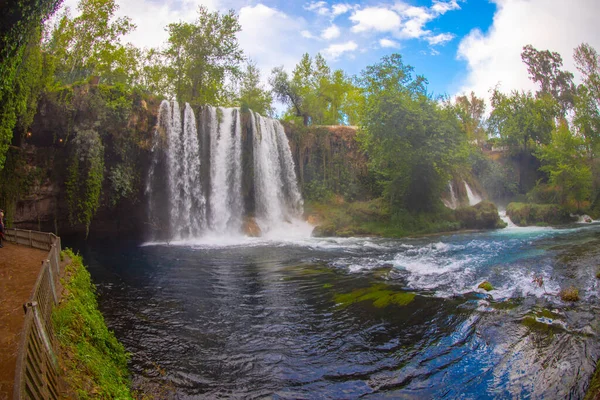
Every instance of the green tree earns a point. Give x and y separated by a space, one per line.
202 56
565 163
471 110
412 141
522 121
20 26
252 94
544 68
89 44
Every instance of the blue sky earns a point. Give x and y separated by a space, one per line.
459 45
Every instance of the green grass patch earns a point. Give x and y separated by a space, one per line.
93 360
381 295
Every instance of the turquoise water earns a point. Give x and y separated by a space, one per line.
285 319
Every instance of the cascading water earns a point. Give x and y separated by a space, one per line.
473 198
453 202
277 196
225 173
206 181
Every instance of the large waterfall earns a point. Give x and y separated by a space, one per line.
209 178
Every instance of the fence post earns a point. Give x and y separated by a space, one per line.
52 283
56 258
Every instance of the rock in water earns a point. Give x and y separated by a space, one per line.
251 228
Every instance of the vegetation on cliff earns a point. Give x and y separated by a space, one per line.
93 361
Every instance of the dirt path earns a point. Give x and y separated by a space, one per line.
19 269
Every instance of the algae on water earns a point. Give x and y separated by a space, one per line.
381 295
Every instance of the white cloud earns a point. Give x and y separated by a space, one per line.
375 19
307 34
389 43
339 9
334 51
320 7
495 57
331 33
266 36
152 17
441 7
439 39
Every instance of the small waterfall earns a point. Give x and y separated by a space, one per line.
473 198
453 202
277 196
506 219
197 183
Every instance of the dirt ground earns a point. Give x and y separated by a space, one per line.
19 269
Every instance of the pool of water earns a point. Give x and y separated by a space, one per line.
357 317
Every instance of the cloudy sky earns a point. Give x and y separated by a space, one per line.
459 45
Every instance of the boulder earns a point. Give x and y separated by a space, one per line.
483 215
251 228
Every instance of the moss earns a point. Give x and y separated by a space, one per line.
598 274
570 294
506 305
593 391
94 361
327 286
381 295
485 285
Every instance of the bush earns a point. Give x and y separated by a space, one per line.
525 214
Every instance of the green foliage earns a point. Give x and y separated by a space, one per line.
525 214
252 94
483 215
93 360
565 162
522 121
470 111
85 177
544 69
315 94
201 56
499 180
89 45
413 143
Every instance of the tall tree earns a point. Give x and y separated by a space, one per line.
203 55
544 68
252 93
471 111
413 142
563 159
90 44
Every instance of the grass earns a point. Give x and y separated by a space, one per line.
93 360
570 294
593 391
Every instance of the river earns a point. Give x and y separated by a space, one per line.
352 317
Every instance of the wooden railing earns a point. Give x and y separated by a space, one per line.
37 372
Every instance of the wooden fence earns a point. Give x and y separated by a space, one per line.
37 372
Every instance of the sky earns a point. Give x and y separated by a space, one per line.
458 45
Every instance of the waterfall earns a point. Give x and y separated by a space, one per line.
473 198
225 173
453 202
197 182
276 191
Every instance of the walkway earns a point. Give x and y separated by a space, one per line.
19 269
